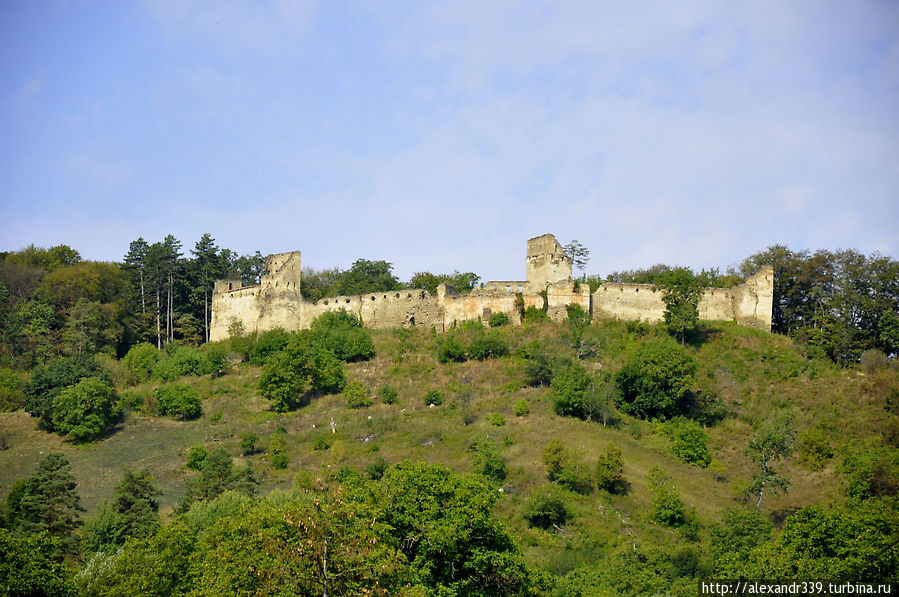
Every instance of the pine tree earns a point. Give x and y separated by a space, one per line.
207 266
49 502
132 512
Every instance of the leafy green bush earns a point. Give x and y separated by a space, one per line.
870 471
86 410
688 441
267 344
872 360
546 510
488 461
179 401
565 469
488 346
610 471
216 355
667 506
277 449
356 395
449 349
569 389
434 397
376 469
497 419
11 395
141 361
655 379
498 319
321 443
537 366
248 443
521 408
183 360
196 455
388 394
535 315
289 372
48 381
814 448
342 334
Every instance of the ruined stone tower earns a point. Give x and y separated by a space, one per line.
546 263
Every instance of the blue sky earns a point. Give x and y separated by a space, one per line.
441 136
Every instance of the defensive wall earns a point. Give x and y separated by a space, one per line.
278 302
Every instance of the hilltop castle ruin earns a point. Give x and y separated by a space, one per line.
277 301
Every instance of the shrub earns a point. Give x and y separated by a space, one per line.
48 381
434 398
267 344
667 506
85 411
521 408
450 350
655 379
342 334
537 367
498 319
179 401
488 346
196 456
488 461
289 372
496 419
563 468
376 469
871 472
814 448
610 471
545 510
141 361
388 394
11 395
356 395
248 443
216 355
873 360
241 342
689 442
277 449
535 315
569 388
320 444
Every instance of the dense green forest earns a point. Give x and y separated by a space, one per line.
574 458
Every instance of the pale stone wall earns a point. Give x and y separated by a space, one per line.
277 302
749 304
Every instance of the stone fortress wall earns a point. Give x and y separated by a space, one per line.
277 301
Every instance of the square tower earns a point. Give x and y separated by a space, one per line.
547 263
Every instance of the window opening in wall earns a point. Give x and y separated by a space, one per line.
520 288
348 300
636 290
326 302
508 288
397 295
409 295
373 297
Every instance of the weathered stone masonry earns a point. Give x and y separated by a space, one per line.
277 301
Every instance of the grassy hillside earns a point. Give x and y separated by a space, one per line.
755 375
